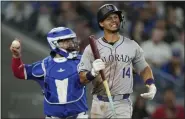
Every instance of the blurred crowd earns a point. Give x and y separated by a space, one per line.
157 26
169 109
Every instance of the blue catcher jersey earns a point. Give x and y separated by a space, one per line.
63 94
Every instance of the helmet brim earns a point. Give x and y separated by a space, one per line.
111 12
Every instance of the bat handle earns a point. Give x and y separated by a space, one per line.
105 83
102 74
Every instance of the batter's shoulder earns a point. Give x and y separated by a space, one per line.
100 38
88 49
130 41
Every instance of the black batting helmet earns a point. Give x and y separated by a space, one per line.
106 10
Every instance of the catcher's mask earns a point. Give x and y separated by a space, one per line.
63 41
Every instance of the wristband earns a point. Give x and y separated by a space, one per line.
89 76
149 81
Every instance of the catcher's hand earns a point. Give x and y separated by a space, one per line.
15 48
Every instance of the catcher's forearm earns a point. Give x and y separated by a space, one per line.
18 68
147 74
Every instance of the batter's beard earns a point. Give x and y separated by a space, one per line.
115 31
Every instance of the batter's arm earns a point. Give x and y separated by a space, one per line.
87 76
88 67
148 78
83 77
146 74
85 65
142 67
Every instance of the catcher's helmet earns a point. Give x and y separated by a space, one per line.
106 10
61 34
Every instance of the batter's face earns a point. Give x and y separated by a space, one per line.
111 23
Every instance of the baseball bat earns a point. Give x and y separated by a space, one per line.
96 54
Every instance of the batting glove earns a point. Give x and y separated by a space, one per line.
151 92
98 65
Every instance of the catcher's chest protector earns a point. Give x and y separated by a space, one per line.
62 82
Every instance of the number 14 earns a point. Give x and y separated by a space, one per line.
126 72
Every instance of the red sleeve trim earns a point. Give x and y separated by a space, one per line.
18 68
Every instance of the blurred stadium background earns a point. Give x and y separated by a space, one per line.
157 26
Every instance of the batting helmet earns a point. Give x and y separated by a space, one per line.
106 10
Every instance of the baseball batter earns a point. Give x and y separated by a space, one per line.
118 57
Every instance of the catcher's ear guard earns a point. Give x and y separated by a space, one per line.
37 70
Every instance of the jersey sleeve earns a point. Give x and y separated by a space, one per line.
18 68
34 71
139 61
27 71
86 60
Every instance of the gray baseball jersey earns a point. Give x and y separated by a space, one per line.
120 59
